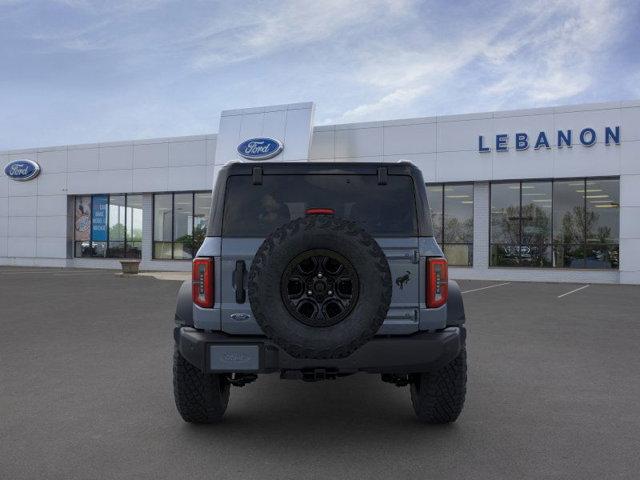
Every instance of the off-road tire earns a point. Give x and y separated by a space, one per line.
438 397
345 238
200 397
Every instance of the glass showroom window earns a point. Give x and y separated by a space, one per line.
108 226
555 224
179 224
451 208
521 224
586 223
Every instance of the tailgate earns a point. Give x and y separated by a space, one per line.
235 263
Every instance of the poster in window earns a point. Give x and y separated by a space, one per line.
83 219
99 218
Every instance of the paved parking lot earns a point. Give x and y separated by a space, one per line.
85 392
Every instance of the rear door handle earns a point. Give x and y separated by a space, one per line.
238 281
414 257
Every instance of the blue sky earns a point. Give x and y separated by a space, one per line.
76 71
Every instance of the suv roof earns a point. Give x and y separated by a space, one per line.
381 169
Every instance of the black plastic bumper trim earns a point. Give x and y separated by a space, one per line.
420 352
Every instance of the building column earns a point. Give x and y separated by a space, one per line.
147 227
629 229
481 212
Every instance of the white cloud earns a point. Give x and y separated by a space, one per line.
556 63
633 84
544 52
397 98
259 32
160 67
112 6
404 77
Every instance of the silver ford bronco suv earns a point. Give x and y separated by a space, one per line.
317 271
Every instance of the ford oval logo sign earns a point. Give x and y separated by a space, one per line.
260 148
22 170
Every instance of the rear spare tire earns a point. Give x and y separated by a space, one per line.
320 287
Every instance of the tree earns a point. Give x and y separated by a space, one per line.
192 242
116 232
577 222
456 231
525 232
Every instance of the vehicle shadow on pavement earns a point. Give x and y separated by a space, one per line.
359 406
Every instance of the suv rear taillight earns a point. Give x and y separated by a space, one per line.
202 282
437 282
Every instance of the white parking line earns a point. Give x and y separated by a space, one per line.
484 288
70 274
56 273
573 291
20 271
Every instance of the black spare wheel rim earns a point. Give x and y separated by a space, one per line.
319 287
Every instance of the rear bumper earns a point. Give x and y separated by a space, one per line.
421 352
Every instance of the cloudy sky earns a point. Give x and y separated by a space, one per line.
78 71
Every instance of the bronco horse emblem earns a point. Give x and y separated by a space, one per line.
400 281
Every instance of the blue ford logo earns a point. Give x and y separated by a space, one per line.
22 170
260 148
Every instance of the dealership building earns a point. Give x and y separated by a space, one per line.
548 194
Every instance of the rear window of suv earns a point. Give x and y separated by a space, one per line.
382 210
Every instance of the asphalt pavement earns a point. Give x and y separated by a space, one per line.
85 392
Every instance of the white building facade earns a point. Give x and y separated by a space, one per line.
550 194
